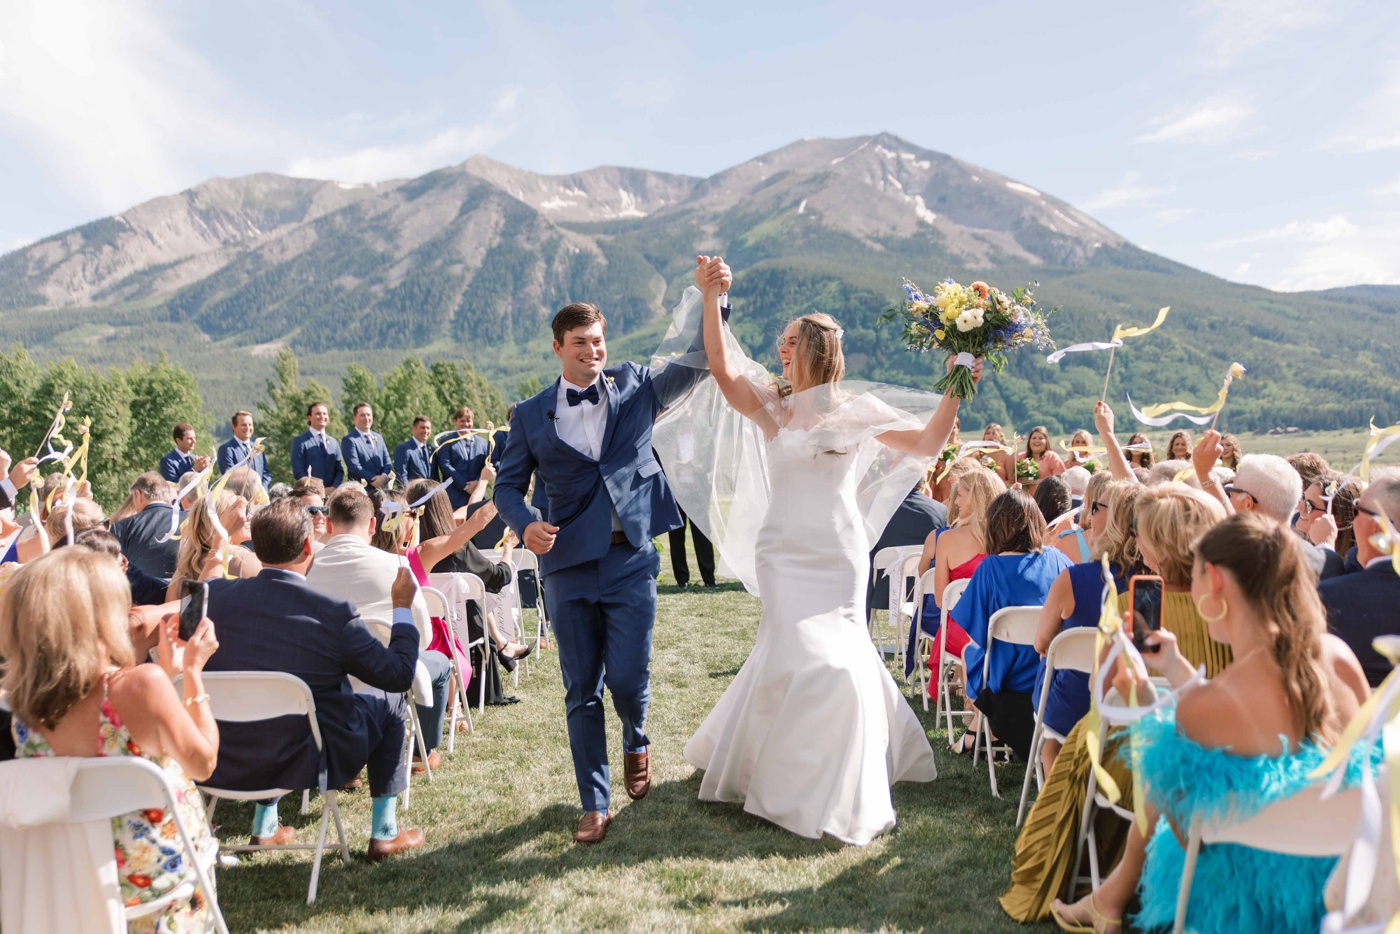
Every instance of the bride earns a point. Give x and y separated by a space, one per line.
812 731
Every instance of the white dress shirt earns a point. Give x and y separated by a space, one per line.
581 426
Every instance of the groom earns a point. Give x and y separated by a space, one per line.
589 437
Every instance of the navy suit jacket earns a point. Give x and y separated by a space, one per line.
175 465
460 461
412 462
322 461
137 535
365 455
232 451
581 492
1360 607
276 622
911 523
498 447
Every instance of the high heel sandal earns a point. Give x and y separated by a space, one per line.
961 747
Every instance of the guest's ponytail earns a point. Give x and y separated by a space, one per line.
1266 560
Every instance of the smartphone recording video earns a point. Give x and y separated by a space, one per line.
194 606
1145 597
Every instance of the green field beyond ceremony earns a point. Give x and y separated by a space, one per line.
500 814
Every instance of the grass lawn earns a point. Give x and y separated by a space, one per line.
500 813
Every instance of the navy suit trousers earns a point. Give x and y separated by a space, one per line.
602 613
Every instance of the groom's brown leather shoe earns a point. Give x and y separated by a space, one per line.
593 827
636 773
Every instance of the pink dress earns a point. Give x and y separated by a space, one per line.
443 640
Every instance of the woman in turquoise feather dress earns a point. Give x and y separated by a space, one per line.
1234 745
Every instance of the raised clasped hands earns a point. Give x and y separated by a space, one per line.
713 275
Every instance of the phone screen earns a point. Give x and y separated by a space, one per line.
194 606
1147 607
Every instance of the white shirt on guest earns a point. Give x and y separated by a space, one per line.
349 568
581 426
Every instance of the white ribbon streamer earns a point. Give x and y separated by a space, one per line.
1161 421
1059 355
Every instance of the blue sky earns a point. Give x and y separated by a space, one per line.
1255 139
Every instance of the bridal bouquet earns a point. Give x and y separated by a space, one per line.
970 321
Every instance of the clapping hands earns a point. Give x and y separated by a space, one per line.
712 275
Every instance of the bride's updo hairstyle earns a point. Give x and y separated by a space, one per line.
817 359
1265 560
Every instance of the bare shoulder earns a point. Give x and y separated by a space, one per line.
138 687
1211 713
1346 672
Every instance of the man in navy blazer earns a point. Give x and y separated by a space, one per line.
140 534
365 454
1366 604
315 453
413 460
276 622
589 436
235 450
461 459
181 459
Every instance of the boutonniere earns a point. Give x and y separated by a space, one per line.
612 383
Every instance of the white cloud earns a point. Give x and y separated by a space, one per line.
1235 28
1173 215
1131 191
1254 155
408 160
1375 124
1219 118
1334 228
1389 189
646 93
1308 255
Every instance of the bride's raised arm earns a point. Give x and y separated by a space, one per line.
712 277
930 440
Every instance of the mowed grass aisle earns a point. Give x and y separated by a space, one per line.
500 813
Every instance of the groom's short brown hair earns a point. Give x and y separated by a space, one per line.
576 315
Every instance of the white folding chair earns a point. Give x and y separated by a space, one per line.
246 696
461 589
943 692
526 560
440 607
904 561
420 693
1071 650
1303 824
1011 625
104 788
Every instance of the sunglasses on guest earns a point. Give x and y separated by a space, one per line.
318 510
1095 506
1231 490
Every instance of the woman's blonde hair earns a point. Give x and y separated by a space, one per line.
1118 541
63 623
998 433
817 358
1171 517
1081 436
199 538
982 487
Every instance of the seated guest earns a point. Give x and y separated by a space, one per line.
1075 599
276 622
954 554
182 459
447 548
1017 571
460 459
193 492
1324 520
1077 479
1143 456
1250 736
235 450
140 533
74 685
244 482
149 611
1052 498
365 454
916 518
315 453
86 515
1038 452
1167 471
311 494
350 568
1070 535
201 546
1364 605
413 460
1311 467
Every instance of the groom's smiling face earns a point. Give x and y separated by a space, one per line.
583 353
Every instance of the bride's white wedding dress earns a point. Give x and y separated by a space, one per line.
812 731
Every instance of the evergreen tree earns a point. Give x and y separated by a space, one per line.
283 416
164 394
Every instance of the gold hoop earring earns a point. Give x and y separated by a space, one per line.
1224 609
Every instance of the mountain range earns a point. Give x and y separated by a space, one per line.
474 259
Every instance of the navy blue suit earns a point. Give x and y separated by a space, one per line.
601 597
233 451
365 455
137 535
498 447
275 622
312 458
413 461
1360 607
460 461
175 465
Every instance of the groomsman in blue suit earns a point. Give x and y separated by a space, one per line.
461 460
589 437
413 460
233 451
315 453
364 451
499 439
181 459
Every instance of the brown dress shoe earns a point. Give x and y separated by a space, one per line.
282 837
434 760
636 773
406 840
593 827
355 784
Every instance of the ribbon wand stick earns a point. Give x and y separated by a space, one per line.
1104 395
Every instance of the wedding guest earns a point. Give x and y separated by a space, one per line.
413 459
1080 439
194 492
363 451
916 518
75 688
1077 479
311 493
86 515
201 546
1179 446
237 449
315 453
146 591
1230 451
1140 458
1053 498
148 522
1167 472
182 459
1310 467
1248 737
461 459
1003 462
1072 538
1017 571
1325 521
1038 452
1362 606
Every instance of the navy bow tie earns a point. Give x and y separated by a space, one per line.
575 397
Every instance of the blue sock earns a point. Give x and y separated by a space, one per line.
632 749
264 820
384 822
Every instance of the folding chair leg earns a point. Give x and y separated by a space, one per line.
1037 740
421 740
306 801
1086 817
1188 873
991 761
334 807
923 685
316 861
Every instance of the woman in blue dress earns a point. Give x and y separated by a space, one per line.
1235 744
1017 571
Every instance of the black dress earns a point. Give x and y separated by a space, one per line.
469 560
